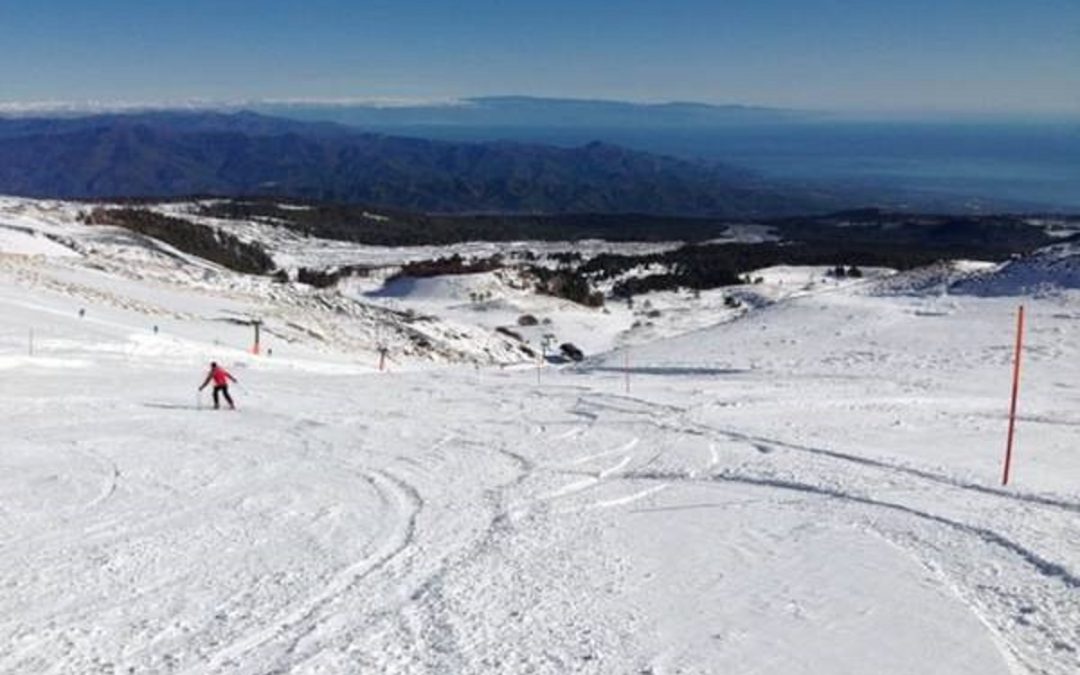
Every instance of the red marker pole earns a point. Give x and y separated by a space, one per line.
1015 394
256 347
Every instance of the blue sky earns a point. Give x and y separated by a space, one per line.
992 56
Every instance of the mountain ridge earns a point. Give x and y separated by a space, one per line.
164 154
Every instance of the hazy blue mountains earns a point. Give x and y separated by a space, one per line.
167 154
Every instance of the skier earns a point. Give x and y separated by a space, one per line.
221 378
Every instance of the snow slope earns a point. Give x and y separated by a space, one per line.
1044 272
811 488
183 296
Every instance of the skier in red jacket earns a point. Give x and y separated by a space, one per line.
220 378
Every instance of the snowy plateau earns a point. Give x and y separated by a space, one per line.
809 482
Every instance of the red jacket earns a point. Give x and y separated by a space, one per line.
220 376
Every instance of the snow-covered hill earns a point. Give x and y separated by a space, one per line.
807 483
45 244
45 248
1049 270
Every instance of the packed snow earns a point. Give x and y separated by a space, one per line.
808 483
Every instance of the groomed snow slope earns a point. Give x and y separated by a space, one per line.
812 488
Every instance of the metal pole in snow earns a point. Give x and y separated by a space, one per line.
255 348
1015 395
30 345
626 368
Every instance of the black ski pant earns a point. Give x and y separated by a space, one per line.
224 391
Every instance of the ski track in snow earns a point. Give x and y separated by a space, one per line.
1053 629
404 503
1037 629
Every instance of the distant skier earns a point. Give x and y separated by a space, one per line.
220 378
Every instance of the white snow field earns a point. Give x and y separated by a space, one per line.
812 486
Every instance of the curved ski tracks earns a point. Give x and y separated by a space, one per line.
1037 623
402 504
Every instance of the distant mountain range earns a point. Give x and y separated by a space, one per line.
483 111
167 154
492 155
508 112
927 163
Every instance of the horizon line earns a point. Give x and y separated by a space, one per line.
23 108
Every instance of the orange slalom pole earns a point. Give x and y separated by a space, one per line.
1015 395
255 348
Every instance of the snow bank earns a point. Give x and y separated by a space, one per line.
17 241
1049 270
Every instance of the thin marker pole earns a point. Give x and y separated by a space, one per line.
30 345
1015 395
626 368
257 347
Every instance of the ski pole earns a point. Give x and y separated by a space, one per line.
246 391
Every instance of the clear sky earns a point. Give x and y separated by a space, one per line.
996 56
